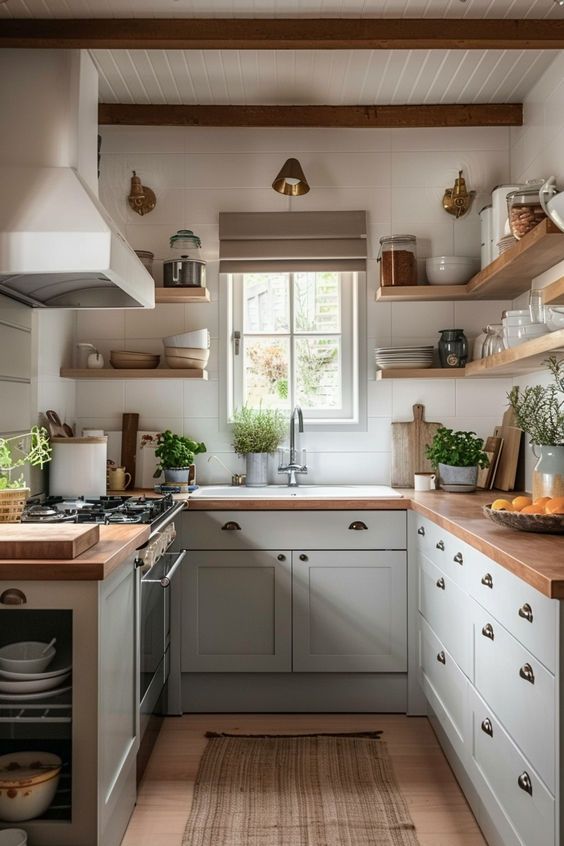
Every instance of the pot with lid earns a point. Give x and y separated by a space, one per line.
189 270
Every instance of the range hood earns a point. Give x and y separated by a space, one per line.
59 248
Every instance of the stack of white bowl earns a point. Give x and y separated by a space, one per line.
189 350
518 327
28 670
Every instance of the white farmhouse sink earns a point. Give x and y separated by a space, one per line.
301 492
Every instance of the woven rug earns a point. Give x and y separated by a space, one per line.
305 790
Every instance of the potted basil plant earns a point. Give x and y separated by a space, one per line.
457 456
176 455
257 433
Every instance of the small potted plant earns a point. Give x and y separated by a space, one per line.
32 449
257 433
539 411
176 455
457 456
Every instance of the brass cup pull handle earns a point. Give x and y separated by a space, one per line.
441 657
488 631
525 783
13 596
421 531
303 557
526 612
458 558
526 673
440 583
231 526
281 557
358 526
440 545
487 580
487 727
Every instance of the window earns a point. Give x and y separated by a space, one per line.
296 341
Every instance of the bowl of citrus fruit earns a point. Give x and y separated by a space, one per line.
540 515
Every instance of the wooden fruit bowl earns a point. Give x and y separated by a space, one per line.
549 524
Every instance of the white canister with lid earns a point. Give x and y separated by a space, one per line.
78 467
486 236
500 214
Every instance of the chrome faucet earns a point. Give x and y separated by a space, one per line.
293 468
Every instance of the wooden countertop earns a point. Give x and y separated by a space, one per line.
116 544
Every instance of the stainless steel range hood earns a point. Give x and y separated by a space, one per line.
59 248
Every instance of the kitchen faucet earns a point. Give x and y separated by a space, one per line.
293 468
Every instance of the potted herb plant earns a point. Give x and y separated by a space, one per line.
539 411
32 449
256 434
176 455
457 456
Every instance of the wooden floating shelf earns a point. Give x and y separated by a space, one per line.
421 373
525 358
182 295
505 278
155 373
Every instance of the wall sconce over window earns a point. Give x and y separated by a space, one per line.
291 179
141 199
457 200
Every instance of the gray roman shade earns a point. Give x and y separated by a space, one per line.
291 241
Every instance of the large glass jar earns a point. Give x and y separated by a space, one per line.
525 209
453 348
398 264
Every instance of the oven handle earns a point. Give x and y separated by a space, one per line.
166 580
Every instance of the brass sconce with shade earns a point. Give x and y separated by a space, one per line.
458 200
141 199
291 179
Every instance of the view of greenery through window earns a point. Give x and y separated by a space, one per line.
292 340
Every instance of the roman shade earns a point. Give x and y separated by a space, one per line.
292 241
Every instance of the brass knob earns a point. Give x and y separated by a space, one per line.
421 531
526 673
458 559
441 545
441 583
281 557
526 612
487 727
13 596
441 657
303 557
488 631
358 526
231 526
487 580
525 783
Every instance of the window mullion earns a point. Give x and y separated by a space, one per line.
291 363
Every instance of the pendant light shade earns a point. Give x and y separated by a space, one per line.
291 179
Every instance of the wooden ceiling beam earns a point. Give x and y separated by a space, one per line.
285 34
367 117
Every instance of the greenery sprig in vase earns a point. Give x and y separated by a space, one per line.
32 449
457 456
256 434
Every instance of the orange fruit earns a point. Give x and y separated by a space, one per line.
542 500
555 506
502 505
521 502
535 508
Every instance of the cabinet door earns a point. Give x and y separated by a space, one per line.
349 611
237 612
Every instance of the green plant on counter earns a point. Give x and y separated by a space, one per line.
176 451
257 430
32 448
457 449
539 409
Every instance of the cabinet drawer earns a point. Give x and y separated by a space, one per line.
519 689
444 684
529 615
445 607
441 548
512 781
294 530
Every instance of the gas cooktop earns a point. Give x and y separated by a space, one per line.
106 510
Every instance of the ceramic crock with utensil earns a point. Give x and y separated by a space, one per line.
189 270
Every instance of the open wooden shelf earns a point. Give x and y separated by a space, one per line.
155 373
421 373
505 278
525 358
182 295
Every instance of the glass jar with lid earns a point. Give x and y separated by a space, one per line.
398 264
525 209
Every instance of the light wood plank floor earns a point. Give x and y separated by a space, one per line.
437 805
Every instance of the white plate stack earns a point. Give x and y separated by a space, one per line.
402 358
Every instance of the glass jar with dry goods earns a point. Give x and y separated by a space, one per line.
525 209
398 264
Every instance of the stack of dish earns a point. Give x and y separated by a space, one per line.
506 243
129 360
28 784
390 358
518 327
190 350
24 674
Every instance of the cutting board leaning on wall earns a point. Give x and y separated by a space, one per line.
408 448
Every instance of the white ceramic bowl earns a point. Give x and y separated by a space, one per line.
197 339
451 270
27 791
25 657
13 837
515 335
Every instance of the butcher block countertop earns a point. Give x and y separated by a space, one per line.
116 545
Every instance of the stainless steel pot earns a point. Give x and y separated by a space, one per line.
184 272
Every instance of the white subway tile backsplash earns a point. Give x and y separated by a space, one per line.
100 323
417 320
100 398
379 398
153 397
165 319
201 399
436 395
487 394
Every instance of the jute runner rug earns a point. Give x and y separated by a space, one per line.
306 790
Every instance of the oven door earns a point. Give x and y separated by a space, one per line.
155 630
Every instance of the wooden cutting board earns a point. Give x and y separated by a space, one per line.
506 472
37 541
408 448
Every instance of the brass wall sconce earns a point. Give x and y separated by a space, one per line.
291 179
141 199
457 200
